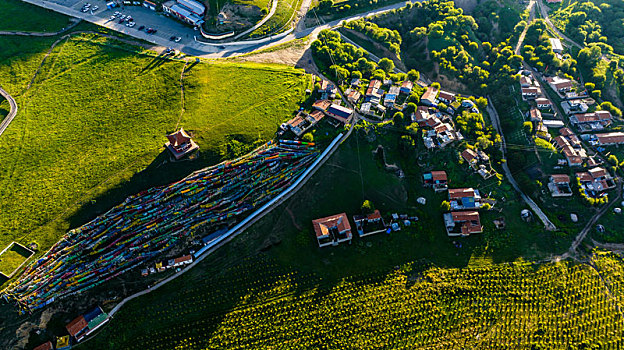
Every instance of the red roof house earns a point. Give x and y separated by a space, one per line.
332 230
180 144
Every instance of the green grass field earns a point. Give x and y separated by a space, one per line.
12 258
38 19
90 130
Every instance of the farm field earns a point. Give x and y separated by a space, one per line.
256 304
38 19
69 155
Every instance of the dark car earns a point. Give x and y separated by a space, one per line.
154 31
172 38
141 27
222 47
149 30
121 21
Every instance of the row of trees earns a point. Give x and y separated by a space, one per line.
537 52
391 39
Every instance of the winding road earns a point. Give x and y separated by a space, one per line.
12 111
263 21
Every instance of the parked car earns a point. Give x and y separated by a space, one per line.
121 21
95 8
141 27
131 24
172 38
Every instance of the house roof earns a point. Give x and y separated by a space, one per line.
556 44
183 259
62 342
468 154
584 176
455 193
322 226
543 101
592 117
560 83
566 131
317 115
560 178
296 121
407 85
76 326
598 172
339 111
321 104
446 95
374 84
430 94
529 90
525 80
610 137
470 221
439 175
354 94
178 138
45 346
535 114
374 215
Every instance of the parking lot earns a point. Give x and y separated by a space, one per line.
166 28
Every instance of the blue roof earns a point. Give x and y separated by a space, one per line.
89 316
339 111
468 202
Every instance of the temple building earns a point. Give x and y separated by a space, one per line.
180 144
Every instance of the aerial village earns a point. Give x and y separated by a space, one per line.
583 144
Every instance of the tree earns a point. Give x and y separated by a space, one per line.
379 74
386 65
484 143
442 106
590 86
613 159
596 94
356 74
398 119
445 206
608 106
367 207
308 137
411 108
528 127
435 85
486 206
413 75
482 102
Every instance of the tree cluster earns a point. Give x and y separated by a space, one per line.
391 39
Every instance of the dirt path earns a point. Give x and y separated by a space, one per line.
42 34
292 218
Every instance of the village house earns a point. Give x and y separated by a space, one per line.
543 103
77 328
189 11
321 105
610 138
445 134
525 81
453 107
560 85
529 93
45 346
353 95
332 230
446 97
327 90
389 100
462 223
429 97
574 154
406 87
596 181
535 115
556 45
436 179
369 224
464 198
591 121
470 157
374 92
180 144
340 113
183 260
355 83
559 185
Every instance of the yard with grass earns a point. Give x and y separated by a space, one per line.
91 128
38 19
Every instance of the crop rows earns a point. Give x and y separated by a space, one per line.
260 305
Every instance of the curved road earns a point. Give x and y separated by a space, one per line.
12 112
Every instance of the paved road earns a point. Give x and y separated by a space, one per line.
12 110
168 27
544 12
536 209
263 21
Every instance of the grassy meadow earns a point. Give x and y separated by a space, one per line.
13 18
12 258
284 13
91 128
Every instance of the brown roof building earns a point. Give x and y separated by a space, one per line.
77 327
429 97
462 223
610 138
45 346
332 230
180 144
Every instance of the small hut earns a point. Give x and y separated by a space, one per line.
180 144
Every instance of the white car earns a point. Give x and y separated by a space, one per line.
122 17
131 24
112 18
95 8
177 39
